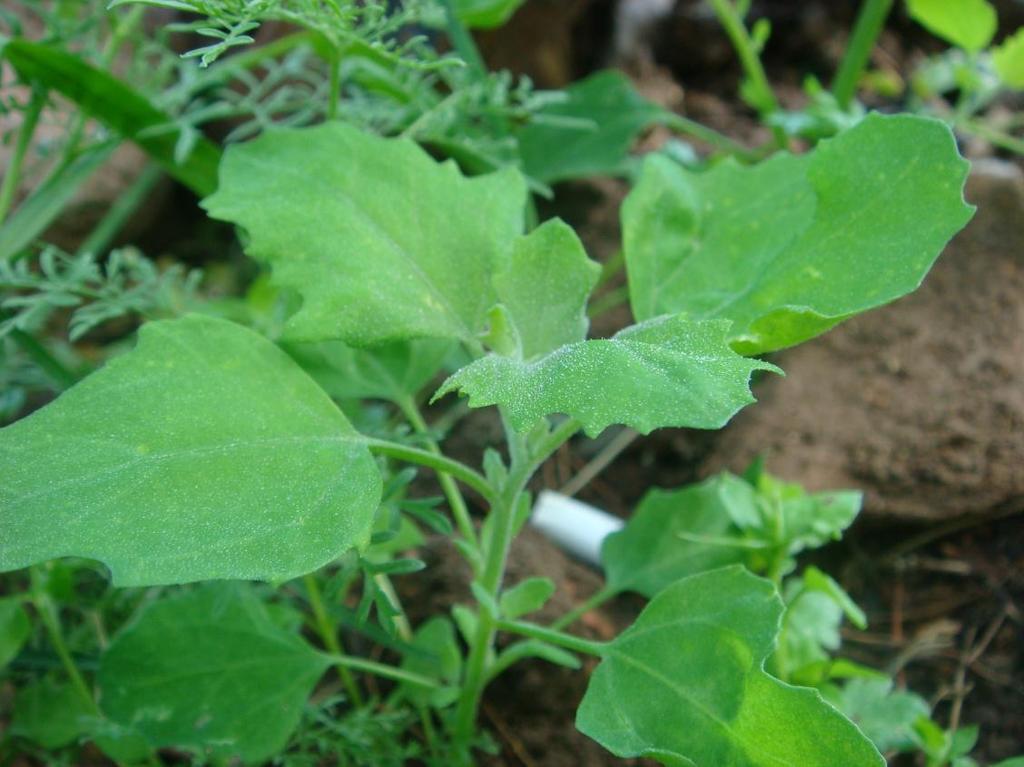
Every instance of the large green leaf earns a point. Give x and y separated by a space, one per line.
969 24
651 552
788 248
210 670
665 372
685 685
545 288
120 107
204 453
588 134
382 242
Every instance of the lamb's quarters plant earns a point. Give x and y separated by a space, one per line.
210 452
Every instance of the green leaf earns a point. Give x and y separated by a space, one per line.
816 580
204 453
588 134
382 242
809 636
545 288
665 372
49 713
969 24
1017 761
14 629
884 715
120 107
392 372
650 552
434 654
486 14
209 669
685 685
1008 60
526 597
789 248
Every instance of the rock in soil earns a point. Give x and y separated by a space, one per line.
921 403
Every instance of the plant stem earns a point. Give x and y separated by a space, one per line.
991 135
42 357
329 636
457 504
439 463
384 670
9 187
100 238
462 40
870 21
48 615
525 461
610 300
595 600
334 62
710 136
560 638
762 93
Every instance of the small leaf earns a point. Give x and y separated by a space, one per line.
884 715
392 372
400 246
532 648
791 247
545 288
526 597
51 714
14 629
590 133
204 453
434 654
969 24
665 372
210 670
1008 60
649 553
685 685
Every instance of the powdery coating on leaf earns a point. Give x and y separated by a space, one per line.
209 669
204 453
382 242
685 684
666 372
546 286
788 248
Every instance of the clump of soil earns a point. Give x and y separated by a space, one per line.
920 403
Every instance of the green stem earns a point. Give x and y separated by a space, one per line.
525 461
710 136
457 504
439 463
594 601
9 187
329 636
763 95
991 135
42 357
462 40
383 670
334 62
48 615
870 21
568 641
107 229
610 300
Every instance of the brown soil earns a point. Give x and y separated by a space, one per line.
920 404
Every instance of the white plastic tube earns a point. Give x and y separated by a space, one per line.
577 527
